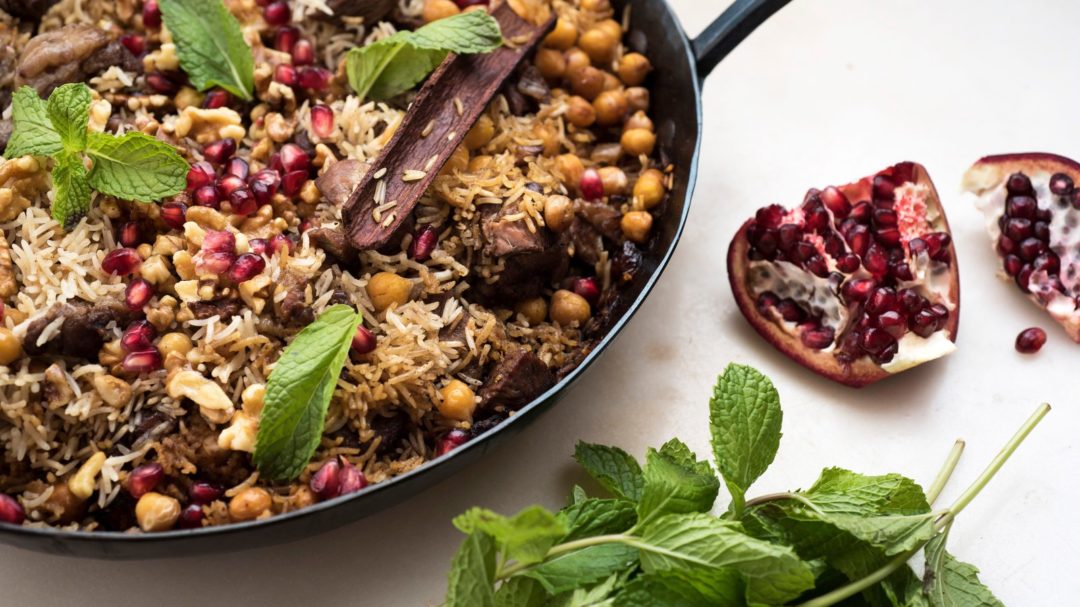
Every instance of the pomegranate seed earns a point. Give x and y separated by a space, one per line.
142 362
303 53
350 478
1030 248
219 151
789 235
884 299
1076 199
315 78
817 218
858 239
230 183
138 294
876 262
279 242
325 483
463 4
423 244
817 266
1030 341
129 234
770 216
1018 183
246 267
862 212
120 262
1022 206
219 241
151 14
592 187
259 246
858 289
143 479
134 43
174 214
817 338
1061 184
1042 231
138 337
293 158
836 201
11 511
243 202
889 237
204 493
1023 278
285 74
285 38
885 217
161 83
893 322
901 271
262 191
293 182
216 98
588 289
884 190
277 13
925 323
452 440
191 517
322 121
363 342
270 177
848 263
201 173
1047 262
766 301
790 311
208 196
1018 228
238 167
876 341
765 240
216 262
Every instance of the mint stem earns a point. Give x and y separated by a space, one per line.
561 548
946 472
777 497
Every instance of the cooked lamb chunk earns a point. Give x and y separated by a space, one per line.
225 308
26 9
83 332
339 181
391 429
530 259
515 381
72 53
196 451
335 242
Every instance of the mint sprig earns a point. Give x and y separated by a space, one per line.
210 45
133 166
655 542
396 64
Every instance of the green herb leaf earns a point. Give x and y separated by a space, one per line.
521 592
464 33
210 45
71 189
596 517
32 133
472 572
615 469
952 583
840 491
69 111
670 590
135 166
582 567
298 393
675 483
894 534
526 537
745 419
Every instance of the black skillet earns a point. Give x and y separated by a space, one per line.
675 86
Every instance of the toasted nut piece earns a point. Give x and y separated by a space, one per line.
252 397
156 512
167 244
83 482
249 504
57 389
155 270
206 217
213 403
113 390
240 435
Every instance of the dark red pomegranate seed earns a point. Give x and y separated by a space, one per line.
216 262
848 263
901 271
592 187
925 323
270 177
882 300
120 262
134 43
937 244
238 167
889 237
229 184
858 239
151 14
322 121
293 182
219 151
191 517
129 234
285 38
303 53
138 294
243 202
817 266
217 98
204 493
790 311
1022 206
208 196
201 173
174 214
767 301
325 483
862 212
858 289
315 78
1047 262
588 288
293 158
885 217
770 216
817 338
836 201
285 74
1023 278
350 478
11 511
884 190
876 262
161 83
259 246
788 236
142 362
423 244
1061 184
1042 231
279 242
363 342
262 191
144 479
1030 248
1018 228
219 241
246 267
138 336
277 13
452 440
1018 183
1030 341
876 341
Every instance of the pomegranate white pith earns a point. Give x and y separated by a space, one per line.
1032 209
858 283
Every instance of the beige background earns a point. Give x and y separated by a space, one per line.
828 90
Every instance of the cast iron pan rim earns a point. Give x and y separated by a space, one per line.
519 420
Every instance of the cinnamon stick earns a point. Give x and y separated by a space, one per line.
441 115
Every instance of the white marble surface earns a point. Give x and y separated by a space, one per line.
826 91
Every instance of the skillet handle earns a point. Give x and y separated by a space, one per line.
729 29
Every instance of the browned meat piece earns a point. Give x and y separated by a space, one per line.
293 310
26 9
391 429
150 427
373 11
515 381
532 84
603 217
587 242
72 53
225 308
334 241
455 331
530 259
196 451
339 181
83 332
511 237
591 221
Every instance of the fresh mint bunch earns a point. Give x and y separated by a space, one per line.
133 166
845 540
210 45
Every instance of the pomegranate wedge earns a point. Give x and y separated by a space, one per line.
858 283
1032 210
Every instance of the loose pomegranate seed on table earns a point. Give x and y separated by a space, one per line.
1031 340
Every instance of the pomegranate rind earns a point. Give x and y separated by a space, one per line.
862 371
990 172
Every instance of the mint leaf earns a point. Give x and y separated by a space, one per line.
298 393
615 469
69 111
840 491
952 583
596 517
521 592
675 483
670 590
702 544
526 537
135 166
597 596
894 534
745 419
71 189
32 133
464 33
472 572
210 45
582 567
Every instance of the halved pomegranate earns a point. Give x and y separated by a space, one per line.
1032 208
858 283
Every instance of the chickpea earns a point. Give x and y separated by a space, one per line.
174 342
570 169
249 504
633 68
587 82
614 180
558 213
156 512
639 120
649 189
595 6
579 112
611 107
10 348
551 63
479 163
638 141
563 36
481 133
550 139
611 82
534 310
438 9
638 98
459 161
568 307
575 60
599 45
458 401
386 289
636 226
